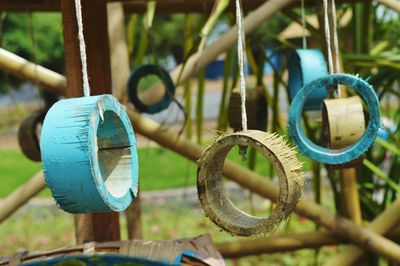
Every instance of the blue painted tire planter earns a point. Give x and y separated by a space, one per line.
335 156
133 83
306 65
89 155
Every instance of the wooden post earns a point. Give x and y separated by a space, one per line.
98 226
120 73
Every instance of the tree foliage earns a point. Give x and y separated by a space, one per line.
36 37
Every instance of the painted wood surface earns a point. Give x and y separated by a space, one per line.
335 156
306 65
89 155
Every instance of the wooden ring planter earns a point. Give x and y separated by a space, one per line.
344 124
343 155
256 108
28 136
212 195
306 65
133 83
89 155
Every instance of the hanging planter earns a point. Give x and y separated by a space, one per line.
306 65
213 197
256 108
337 155
133 85
89 155
344 124
28 136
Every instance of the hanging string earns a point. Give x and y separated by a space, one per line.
241 62
82 48
328 37
303 23
335 38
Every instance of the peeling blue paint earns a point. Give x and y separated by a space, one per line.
306 65
89 155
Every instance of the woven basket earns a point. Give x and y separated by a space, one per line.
198 251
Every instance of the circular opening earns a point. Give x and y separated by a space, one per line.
349 152
218 198
214 197
243 198
115 159
144 88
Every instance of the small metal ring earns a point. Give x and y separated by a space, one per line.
133 94
335 156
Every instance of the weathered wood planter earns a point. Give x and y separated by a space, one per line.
213 197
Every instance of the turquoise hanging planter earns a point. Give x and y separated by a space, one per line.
306 65
133 93
335 156
89 155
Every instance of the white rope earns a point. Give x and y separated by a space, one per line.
82 48
328 37
303 23
335 38
241 62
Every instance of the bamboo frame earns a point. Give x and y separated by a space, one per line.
253 181
34 73
381 225
283 243
21 195
201 59
363 237
367 238
139 6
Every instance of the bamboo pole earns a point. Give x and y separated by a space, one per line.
34 73
349 191
387 220
392 4
120 73
343 227
283 243
21 195
120 68
201 59
279 243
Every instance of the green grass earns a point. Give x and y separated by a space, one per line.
158 169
